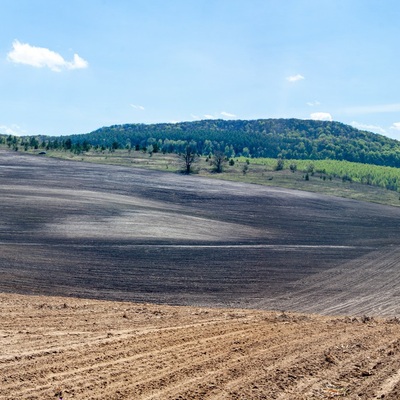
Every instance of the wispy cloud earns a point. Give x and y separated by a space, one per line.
228 115
13 130
136 107
41 57
216 116
395 126
313 103
374 109
369 127
295 78
321 116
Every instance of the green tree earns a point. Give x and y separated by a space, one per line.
280 164
33 142
293 167
86 146
246 152
68 144
115 145
310 169
218 161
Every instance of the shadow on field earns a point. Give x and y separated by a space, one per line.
118 233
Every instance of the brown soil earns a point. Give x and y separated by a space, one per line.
110 350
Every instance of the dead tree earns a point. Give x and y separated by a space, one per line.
188 158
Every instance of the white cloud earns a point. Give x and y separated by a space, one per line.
374 109
313 103
228 115
209 116
395 126
196 117
321 116
295 78
40 57
79 63
136 107
370 128
13 130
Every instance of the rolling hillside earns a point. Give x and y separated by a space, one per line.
285 138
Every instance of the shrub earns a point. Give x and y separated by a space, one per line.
280 164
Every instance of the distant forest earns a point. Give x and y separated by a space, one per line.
273 138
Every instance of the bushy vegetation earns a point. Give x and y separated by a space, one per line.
385 177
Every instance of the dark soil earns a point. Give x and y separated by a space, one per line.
117 233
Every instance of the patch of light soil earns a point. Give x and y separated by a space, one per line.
150 224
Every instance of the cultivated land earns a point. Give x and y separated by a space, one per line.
259 171
115 233
95 350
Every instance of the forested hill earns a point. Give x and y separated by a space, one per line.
277 138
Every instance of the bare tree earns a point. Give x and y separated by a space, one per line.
188 158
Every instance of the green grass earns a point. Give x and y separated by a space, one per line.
386 177
326 179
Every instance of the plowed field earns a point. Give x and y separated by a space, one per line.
146 238
118 233
109 350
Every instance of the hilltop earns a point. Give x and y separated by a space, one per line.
275 138
331 149
293 139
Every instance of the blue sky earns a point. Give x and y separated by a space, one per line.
73 66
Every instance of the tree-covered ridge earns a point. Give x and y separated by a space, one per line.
276 138
273 138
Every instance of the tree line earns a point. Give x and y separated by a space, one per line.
218 157
267 138
273 138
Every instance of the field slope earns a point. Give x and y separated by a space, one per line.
156 241
117 233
